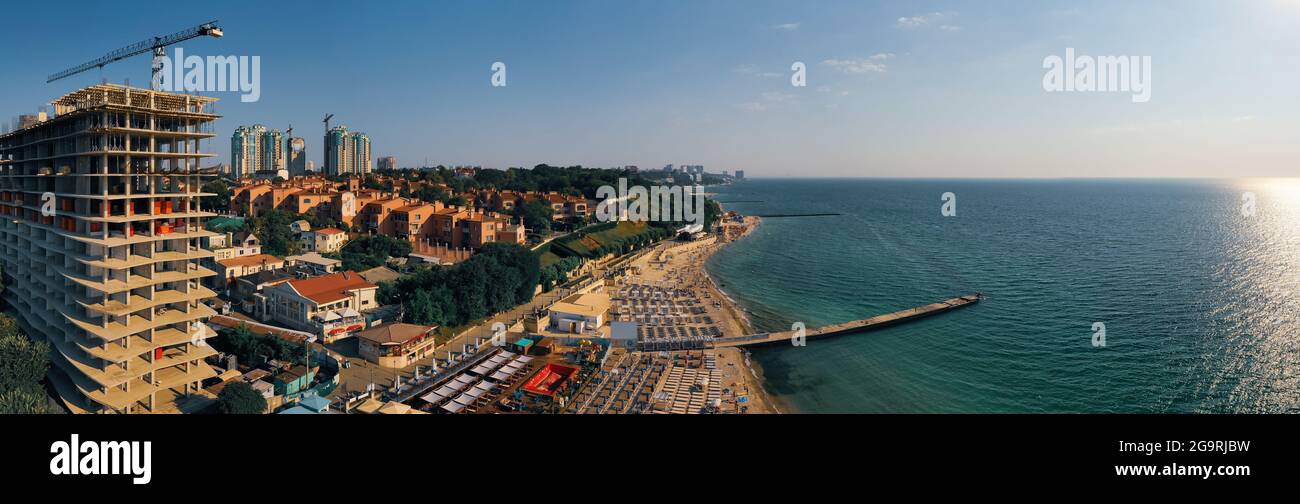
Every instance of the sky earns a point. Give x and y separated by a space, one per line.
893 89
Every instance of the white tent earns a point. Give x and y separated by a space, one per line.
432 397
453 407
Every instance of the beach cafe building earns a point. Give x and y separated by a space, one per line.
579 314
396 345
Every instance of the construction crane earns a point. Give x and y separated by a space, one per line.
156 44
325 146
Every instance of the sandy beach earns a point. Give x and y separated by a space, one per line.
682 264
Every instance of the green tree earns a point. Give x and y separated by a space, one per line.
239 398
537 215
23 364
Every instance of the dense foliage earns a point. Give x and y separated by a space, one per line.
250 347
498 277
239 398
557 273
272 228
365 252
222 190
23 364
537 215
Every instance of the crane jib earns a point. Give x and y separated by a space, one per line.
148 45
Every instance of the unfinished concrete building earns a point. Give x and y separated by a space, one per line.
100 242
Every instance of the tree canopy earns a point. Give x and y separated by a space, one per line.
365 252
498 277
239 398
23 364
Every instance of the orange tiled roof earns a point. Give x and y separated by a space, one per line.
330 288
329 231
250 260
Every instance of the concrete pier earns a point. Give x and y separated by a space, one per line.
876 322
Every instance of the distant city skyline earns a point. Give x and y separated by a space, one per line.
897 89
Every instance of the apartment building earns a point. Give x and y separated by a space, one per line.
232 245
376 216
347 152
230 269
329 306
323 241
110 276
414 222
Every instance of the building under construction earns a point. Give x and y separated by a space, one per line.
100 243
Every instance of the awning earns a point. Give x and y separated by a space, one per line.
498 359
349 312
500 376
464 399
453 407
524 359
484 386
473 394
483 369
433 397
464 379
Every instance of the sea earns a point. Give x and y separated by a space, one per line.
1102 296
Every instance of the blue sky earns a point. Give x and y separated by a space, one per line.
897 89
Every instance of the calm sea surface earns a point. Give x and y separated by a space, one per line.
1201 303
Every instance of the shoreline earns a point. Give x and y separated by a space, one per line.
753 374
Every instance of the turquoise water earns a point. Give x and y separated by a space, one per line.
1200 302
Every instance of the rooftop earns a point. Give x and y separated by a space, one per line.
590 304
251 260
395 333
330 288
314 258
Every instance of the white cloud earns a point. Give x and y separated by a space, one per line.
754 70
786 27
752 107
930 19
873 64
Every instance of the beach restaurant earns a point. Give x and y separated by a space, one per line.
396 345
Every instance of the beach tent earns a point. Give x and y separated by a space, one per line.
500 376
453 407
432 397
